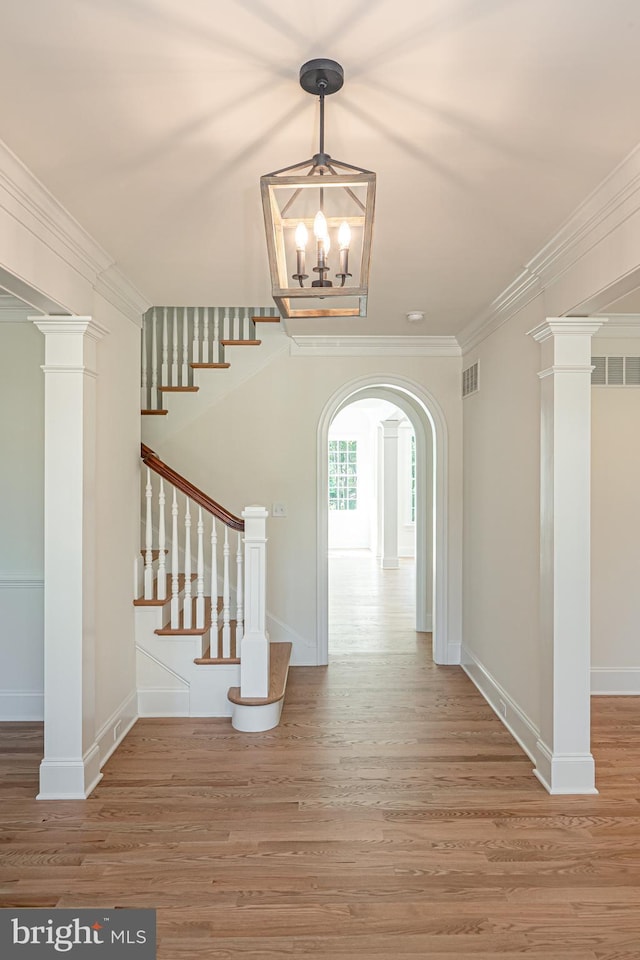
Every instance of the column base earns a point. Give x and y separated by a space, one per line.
68 779
564 773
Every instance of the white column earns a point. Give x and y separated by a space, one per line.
70 768
390 494
254 657
564 764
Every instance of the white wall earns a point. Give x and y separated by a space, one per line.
502 511
615 517
21 517
117 516
258 444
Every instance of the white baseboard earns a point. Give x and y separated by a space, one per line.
163 703
114 730
615 683
63 778
303 652
519 725
21 705
565 774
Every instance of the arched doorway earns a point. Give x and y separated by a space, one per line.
429 426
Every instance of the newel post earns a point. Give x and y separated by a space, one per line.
254 655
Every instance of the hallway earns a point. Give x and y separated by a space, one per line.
389 816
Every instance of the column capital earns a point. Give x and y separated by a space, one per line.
70 326
566 326
71 343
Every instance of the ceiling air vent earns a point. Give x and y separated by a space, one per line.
470 381
615 371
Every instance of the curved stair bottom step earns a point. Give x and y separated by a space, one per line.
254 715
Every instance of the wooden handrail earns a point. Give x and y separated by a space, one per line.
153 461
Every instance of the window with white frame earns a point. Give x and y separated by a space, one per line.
343 474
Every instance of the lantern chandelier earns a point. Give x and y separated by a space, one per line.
312 208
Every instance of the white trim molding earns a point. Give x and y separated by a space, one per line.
425 411
29 202
615 683
18 581
605 210
21 705
308 345
117 726
520 726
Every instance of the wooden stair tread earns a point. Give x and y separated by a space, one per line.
279 657
154 413
241 343
266 319
141 602
179 389
210 366
168 631
207 659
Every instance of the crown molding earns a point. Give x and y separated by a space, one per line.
29 202
13 313
114 286
621 326
613 201
566 326
308 345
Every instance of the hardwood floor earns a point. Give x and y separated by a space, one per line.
389 816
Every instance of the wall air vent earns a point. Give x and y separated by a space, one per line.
470 380
615 371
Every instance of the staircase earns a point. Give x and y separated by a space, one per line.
179 343
200 609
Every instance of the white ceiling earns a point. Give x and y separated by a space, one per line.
487 122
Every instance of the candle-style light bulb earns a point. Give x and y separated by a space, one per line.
320 228
326 243
344 239
302 236
344 235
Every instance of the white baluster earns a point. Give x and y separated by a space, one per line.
246 324
216 335
185 348
205 337
164 370
148 533
175 561
237 334
174 354
200 574
144 384
187 608
162 542
226 325
239 596
154 360
226 626
214 589
195 351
